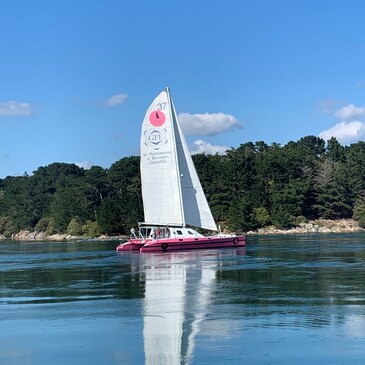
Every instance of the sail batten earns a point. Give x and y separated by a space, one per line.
171 190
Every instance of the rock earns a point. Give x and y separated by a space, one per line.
57 237
21 236
2 237
317 226
324 230
41 236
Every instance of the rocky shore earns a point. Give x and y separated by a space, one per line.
316 226
26 235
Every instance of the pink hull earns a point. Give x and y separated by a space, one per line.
166 245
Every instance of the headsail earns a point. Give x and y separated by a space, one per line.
172 193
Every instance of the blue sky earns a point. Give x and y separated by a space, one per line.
76 77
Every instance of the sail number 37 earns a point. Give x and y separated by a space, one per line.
161 106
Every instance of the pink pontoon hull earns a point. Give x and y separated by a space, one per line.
176 244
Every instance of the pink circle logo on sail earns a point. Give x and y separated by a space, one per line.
157 118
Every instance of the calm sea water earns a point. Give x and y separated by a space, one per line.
282 300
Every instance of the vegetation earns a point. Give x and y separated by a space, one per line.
251 186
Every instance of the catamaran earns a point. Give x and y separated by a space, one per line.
173 198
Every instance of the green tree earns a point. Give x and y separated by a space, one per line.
111 214
75 227
248 187
42 225
241 217
281 218
333 200
356 167
334 151
6 226
262 216
212 171
359 209
91 229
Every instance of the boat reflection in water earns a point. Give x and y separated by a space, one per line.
178 293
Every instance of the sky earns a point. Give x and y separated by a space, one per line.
76 77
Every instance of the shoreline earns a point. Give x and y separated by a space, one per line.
26 235
312 226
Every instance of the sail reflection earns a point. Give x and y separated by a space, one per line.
178 293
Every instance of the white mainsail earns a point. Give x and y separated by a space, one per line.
171 190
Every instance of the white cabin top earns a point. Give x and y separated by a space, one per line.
157 232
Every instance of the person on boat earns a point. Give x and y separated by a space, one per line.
133 232
167 231
158 232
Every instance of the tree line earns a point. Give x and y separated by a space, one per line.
251 186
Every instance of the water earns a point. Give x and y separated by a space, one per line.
282 300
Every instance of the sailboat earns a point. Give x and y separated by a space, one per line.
173 198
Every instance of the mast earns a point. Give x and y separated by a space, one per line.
173 118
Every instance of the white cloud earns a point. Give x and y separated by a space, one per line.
86 165
345 132
201 146
116 100
349 112
14 108
207 124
